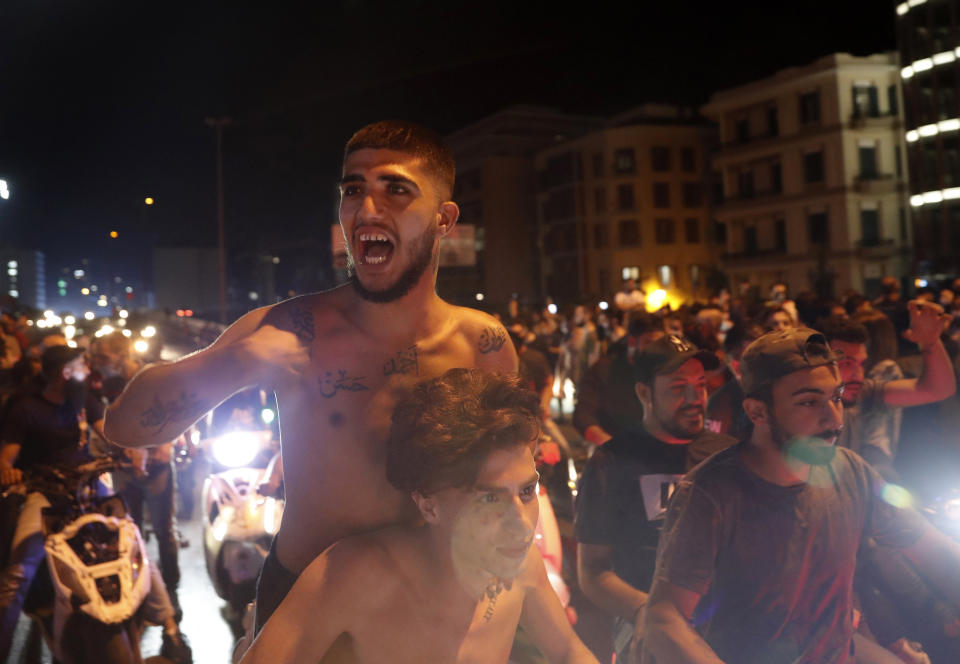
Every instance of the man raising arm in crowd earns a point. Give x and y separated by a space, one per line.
333 358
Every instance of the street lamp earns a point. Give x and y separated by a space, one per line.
4 190
218 124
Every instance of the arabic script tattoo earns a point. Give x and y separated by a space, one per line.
404 363
492 340
302 320
331 383
162 413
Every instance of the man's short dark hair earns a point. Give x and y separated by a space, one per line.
835 328
411 139
445 428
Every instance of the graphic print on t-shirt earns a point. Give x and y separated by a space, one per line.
657 490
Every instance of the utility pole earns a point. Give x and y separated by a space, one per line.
218 124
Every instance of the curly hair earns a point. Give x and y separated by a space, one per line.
443 429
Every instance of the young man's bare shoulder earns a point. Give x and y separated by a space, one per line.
310 313
488 338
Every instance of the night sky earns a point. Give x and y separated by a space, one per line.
103 103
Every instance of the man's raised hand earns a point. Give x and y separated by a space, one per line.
926 323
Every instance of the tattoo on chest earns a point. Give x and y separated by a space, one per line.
162 413
333 382
492 340
302 320
404 363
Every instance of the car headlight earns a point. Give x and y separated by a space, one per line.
236 448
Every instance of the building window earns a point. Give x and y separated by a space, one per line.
817 227
773 121
870 227
898 160
719 232
688 160
660 158
776 178
692 194
810 108
625 197
865 101
893 102
600 199
696 274
629 233
664 231
780 235
745 184
750 240
632 272
625 161
598 165
661 194
813 167
743 130
600 239
691 230
868 161
665 276
718 196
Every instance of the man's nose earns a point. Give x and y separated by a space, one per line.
833 415
368 208
519 516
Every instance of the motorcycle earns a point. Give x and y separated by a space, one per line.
238 521
88 608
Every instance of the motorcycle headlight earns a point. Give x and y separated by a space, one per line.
952 509
236 448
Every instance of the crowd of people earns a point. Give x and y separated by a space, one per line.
52 403
739 500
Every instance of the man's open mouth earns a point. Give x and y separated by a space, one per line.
375 248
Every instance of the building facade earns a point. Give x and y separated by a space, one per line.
627 200
810 176
23 277
928 35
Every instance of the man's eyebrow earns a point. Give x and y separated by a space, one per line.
398 179
808 390
351 177
496 489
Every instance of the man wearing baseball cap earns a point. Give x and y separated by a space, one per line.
626 484
758 551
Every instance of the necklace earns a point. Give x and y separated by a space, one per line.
492 592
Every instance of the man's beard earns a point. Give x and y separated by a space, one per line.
674 428
812 450
422 249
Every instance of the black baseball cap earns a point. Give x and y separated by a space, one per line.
776 354
667 354
56 358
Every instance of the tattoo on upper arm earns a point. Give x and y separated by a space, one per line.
162 413
404 363
331 383
492 339
302 320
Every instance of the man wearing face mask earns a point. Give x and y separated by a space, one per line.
757 556
626 484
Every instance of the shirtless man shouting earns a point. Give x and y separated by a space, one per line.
454 588
335 358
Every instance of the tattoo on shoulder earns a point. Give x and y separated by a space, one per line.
492 339
333 382
404 363
161 413
303 327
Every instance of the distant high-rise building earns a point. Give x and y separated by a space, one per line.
812 173
628 200
22 276
495 253
928 34
186 278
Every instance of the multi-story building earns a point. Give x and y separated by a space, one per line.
22 276
628 200
495 252
929 40
813 181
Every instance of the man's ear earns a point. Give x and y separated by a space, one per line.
428 506
642 390
447 217
756 410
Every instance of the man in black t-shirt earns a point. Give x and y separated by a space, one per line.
758 551
626 484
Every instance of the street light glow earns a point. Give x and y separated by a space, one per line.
4 191
88 315
148 200
148 331
113 234
140 346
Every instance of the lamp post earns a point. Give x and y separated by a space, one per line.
218 124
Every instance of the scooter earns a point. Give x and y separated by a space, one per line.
238 521
88 607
